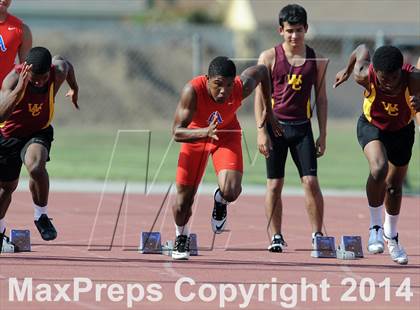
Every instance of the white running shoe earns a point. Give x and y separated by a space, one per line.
6 246
376 242
396 251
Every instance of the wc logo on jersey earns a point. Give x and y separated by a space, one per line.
390 108
2 44
217 115
295 80
35 108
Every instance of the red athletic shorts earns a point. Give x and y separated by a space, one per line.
226 153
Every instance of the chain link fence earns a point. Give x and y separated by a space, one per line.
132 75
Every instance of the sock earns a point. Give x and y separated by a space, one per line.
376 216
218 197
390 225
182 230
38 211
2 225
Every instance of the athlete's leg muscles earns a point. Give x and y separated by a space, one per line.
378 169
230 184
393 194
35 162
314 202
182 209
273 205
6 191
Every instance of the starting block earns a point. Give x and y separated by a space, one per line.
193 245
352 244
324 247
151 243
21 240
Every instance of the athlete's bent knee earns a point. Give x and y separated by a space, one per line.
379 171
232 193
311 183
274 187
8 188
36 170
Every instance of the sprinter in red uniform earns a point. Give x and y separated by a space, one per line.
385 131
206 123
15 39
26 112
295 69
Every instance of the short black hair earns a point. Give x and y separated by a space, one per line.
40 59
387 59
294 14
223 66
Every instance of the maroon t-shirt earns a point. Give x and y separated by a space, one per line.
292 86
33 112
386 112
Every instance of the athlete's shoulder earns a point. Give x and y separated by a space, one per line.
12 20
199 83
310 52
267 56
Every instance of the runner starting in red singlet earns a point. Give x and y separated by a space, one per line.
385 131
15 39
206 123
26 112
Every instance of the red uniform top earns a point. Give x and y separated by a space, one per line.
207 108
11 36
292 86
33 112
386 112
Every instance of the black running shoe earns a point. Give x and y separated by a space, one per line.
181 248
218 218
46 228
277 244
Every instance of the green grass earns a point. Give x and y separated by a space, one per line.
86 153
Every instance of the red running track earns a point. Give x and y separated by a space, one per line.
235 271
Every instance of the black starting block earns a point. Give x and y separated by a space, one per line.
193 245
151 243
21 240
324 247
352 244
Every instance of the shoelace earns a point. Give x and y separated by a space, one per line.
44 220
279 240
181 243
219 212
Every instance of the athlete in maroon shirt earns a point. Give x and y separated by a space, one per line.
385 132
26 111
295 69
